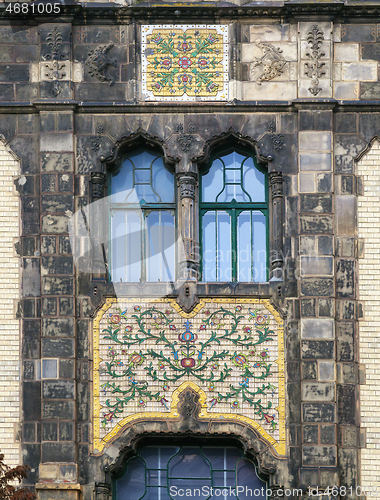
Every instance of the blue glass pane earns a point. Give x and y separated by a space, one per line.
122 183
253 181
142 176
224 253
209 246
244 246
163 182
212 182
132 485
249 484
133 246
136 172
259 247
160 246
233 160
156 478
118 246
157 457
224 478
189 463
222 458
156 493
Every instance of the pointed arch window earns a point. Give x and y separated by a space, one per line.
171 472
142 227
234 220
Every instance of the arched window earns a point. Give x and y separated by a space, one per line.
200 472
142 208
234 220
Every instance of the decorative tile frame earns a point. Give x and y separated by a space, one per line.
184 62
144 357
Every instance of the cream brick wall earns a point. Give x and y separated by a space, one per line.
369 329
9 325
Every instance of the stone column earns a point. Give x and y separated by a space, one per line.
277 258
188 260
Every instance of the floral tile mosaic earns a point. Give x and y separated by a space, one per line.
184 62
147 351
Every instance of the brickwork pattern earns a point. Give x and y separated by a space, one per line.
369 290
10 326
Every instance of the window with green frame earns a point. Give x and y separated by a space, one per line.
234 220
201 472
142 222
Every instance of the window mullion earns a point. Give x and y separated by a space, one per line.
143 252
234 244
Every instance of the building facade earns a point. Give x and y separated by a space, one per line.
190 214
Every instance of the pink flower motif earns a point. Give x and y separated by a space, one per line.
111 352
184 62
212 39
202 327
119 363
168 311
166 387
137 308
238 308
247 329
172 327
128 328
161 366
115 319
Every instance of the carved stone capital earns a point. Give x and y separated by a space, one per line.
187 185
98 183
276 182
102 491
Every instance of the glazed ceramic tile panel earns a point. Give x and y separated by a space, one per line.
230 351
184 62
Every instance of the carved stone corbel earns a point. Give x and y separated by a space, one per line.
277 257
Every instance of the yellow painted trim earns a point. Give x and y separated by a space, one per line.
99 444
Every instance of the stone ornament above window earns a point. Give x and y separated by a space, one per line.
184 62
148 351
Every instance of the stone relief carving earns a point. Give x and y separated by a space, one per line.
314 69
187 185
55 70
275 138
271 63
185 140
98 63
96 139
